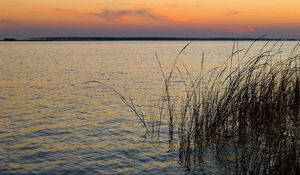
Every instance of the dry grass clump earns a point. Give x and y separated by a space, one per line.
250 112
247 113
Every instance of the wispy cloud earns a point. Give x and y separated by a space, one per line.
8 21
233 13
175 5
66 11
71 12
184 5
112 15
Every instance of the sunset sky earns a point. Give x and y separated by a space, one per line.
171 18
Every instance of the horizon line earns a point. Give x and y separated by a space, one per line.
135 38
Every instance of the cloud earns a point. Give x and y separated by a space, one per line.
66 11
71 12
184 5
112 15
233 13
176 5
7 21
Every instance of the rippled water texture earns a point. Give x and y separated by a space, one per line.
50 122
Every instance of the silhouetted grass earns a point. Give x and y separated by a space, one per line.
246 113
250 112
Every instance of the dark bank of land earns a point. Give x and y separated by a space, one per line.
144 39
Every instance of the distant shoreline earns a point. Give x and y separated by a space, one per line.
143 39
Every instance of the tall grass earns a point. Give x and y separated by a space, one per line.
246 113
250 112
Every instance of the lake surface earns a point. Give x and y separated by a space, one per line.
51 122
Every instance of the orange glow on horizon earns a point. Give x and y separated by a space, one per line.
232 16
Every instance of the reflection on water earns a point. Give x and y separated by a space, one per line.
51 122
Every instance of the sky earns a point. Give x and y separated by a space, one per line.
156 18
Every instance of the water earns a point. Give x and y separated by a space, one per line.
52 122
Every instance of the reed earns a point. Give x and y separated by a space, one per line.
247 113
251 111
